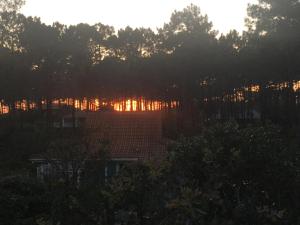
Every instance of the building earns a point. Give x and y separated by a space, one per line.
131 136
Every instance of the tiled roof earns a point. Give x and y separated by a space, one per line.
130 134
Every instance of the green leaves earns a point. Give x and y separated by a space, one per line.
11 5
227 174
246 172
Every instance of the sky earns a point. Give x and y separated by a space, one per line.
225 14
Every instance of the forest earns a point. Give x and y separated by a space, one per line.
186 60
226 167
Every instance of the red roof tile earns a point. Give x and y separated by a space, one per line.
130 134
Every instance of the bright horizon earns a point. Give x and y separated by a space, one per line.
225 15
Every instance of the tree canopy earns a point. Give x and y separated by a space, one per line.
186 59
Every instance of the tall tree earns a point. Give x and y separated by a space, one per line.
276 23
11 5
186 27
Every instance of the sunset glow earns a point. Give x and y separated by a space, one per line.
95 104
253 88
296 86
4 109
132 104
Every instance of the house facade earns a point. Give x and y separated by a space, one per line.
130 136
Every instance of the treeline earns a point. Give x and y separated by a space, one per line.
226 174
186 59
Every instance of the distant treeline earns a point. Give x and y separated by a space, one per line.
186 59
